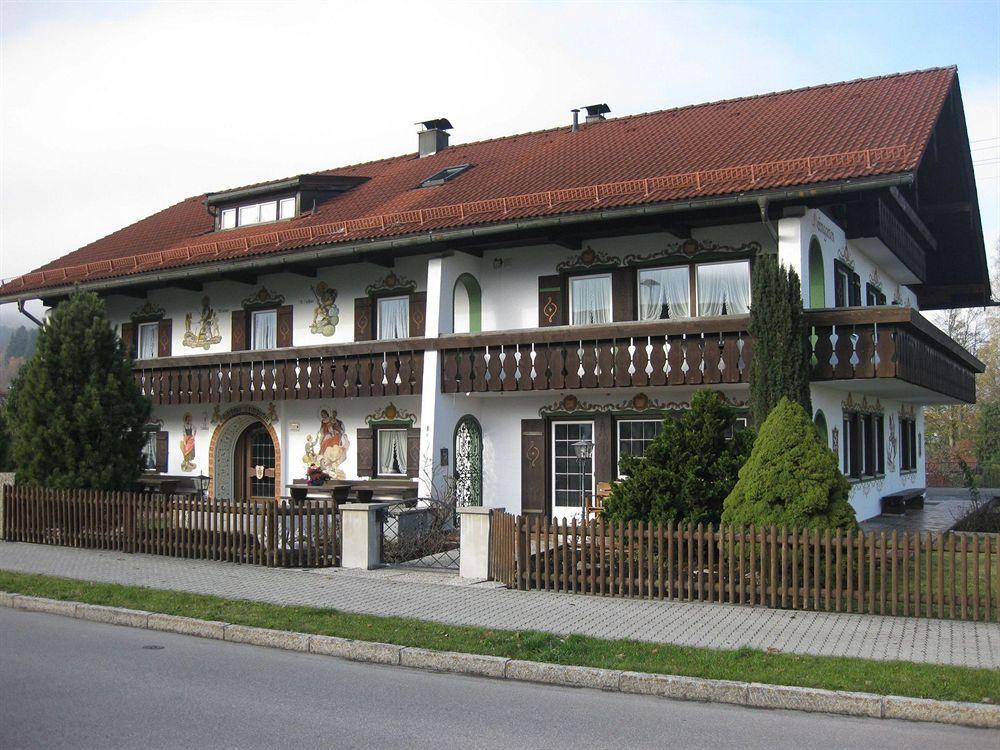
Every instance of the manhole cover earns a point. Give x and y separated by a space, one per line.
153 648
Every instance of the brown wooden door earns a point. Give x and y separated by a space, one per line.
254 463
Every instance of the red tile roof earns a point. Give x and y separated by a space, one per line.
836 131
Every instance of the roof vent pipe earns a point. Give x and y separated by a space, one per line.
596 112
576 119
434 136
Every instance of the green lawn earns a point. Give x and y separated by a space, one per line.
835 673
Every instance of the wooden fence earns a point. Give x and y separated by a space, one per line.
918 575
263 532
503 548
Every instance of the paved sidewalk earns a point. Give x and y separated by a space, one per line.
440 598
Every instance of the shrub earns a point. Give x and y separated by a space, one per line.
688 469
988 435
780 364
75 414
791 477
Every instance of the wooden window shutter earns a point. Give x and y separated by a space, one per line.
130 333
623 288
365 442
164 337
162 444
239 331
605 448
284 333
363 319
413 452
533 466
551 301
418 313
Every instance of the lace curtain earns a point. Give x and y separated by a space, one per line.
265 329
392 451
147 340
724 287
590 299
394 318
664 293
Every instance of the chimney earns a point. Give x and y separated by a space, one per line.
433 137
576 119
596 112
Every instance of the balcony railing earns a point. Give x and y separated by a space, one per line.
378 368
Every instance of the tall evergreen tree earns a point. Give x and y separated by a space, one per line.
781 352
75 414
18 346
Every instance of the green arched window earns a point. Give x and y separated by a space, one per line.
817 276
468 462
467 305
820 422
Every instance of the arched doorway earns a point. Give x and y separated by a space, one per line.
243 446
468 462
821 428
467 305
817 276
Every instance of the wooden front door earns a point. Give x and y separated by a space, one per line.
254 463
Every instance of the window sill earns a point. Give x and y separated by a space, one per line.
863 480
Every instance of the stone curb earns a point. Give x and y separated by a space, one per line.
754 695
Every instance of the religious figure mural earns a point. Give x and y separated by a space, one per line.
187 444
328 449
326 314
208 328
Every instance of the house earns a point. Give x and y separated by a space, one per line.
471 311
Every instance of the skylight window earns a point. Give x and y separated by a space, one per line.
444 175
257 213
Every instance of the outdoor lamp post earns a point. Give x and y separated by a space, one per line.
202 481
584 449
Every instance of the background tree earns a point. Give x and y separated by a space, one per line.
687 470
781 353
75 414
791 477
988 435
18 346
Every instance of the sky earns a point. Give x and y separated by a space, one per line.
112 111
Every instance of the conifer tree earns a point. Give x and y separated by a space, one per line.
76 416
781 353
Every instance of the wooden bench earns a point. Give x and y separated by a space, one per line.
898 503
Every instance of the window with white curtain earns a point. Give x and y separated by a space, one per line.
149 451
264 325
590 300
723 288
664 293
148 335
393 318
391 446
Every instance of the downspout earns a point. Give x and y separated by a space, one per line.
28 315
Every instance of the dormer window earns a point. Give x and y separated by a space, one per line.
257 213
440 178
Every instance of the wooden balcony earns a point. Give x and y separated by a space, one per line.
376 368
853 344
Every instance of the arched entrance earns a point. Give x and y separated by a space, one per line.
467 305
817 277
468 462
245 458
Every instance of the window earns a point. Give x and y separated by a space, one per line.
393 318
148 336
149 451
664 293
390 444
864 444
264 329
590 299
571 477
635 435
723 288
257 213
440 178
908 443
874 296
846 286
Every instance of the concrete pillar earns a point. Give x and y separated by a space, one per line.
474 560
430 392
360 535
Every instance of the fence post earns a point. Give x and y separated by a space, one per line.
474 553
362 531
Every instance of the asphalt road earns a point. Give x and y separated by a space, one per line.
71 684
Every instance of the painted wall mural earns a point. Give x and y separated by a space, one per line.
187 443
326 314
328 448
207 332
